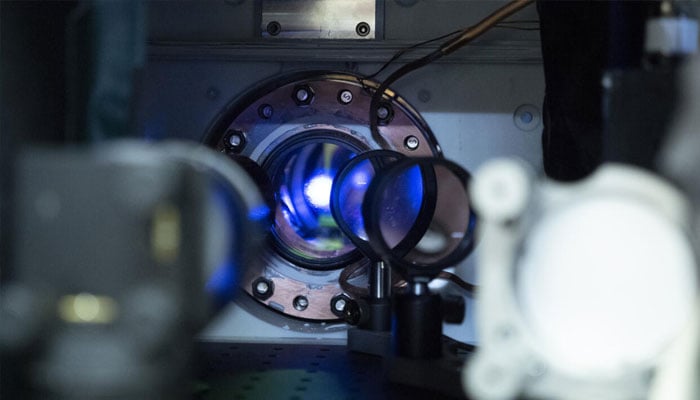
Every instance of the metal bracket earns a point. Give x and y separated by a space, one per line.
320 19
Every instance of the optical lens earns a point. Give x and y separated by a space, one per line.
350 187
399 205
419 215
302 179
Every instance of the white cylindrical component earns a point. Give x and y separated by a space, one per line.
605 283
501 189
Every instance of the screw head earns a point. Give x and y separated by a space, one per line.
411 142
303 95
300 303
266 111
385 113
526 117
345 97
362 29
340 305
273 28
263 288
235 140
347 309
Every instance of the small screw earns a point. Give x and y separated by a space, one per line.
411 142
300 303
345 97
265 111
384 114
362 29
274 28
339 303
235 140
526 117
303 95
263 288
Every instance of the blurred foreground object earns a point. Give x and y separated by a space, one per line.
583 286
679 371
121 253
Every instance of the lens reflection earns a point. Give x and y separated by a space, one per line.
302 181
419 215
351 193
349 190
451 221
399 206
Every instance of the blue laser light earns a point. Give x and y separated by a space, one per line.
318 191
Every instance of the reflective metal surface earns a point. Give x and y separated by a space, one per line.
319 19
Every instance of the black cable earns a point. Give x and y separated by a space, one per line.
376 97
454 278
465 37
408 49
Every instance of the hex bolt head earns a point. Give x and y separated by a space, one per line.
411 142
235 140
385 113
339 303
303 95
266 111
300 303
345 97
263 288
346 309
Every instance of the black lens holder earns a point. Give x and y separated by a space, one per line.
399 256
380 160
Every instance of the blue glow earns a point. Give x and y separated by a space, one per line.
222 283
318 191
259 213
414 190
361 178
400 204
351 195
